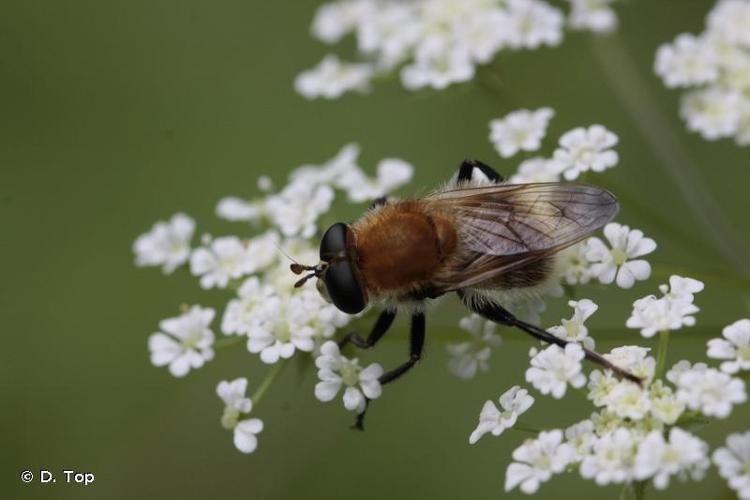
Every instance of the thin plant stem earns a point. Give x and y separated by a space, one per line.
661 356
655 128
228 341
268 381
624 492
639 490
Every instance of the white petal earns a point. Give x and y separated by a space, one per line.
326 391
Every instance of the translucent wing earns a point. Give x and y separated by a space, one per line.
507 226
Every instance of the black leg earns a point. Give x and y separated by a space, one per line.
378 202
384 322
466 171
415 354
501 315
416 338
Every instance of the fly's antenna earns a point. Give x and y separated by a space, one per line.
281 250
316 271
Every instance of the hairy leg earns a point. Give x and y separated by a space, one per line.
416 337
499 314
383 323
466 171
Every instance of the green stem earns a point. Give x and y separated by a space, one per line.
268 381
661 357
228 341
639 489
673 157
624 492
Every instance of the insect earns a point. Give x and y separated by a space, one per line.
483 242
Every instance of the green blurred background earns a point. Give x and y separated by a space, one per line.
116 114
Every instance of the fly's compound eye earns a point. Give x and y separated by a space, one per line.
341 279
333 243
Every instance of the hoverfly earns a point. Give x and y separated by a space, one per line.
483 242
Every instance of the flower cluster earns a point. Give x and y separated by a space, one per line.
336 371
435 43
273 317
236 408
714 66
636 432
672 311
579 150
472 356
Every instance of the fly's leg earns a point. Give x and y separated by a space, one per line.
383 323
499 314
378 202
416 337
466 171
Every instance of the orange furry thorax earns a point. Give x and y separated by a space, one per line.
400 246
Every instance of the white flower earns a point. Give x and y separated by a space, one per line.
708 390
296 209
331 78
713 112
223 259
245 434
616 263
573 329
237 209
612 459
235 402
683 455
664 403
533 23
576 268
689 61
600 385
484 33
734 463
714 65
283 324
334 20
392 173
628 400
335 371
335 168
390 32
438 63
521 130
681 289
581 438
681 367
670 312
593 15
553 368
584 149
736 347
634 359
652 315
166 245
730 19
469 357
241 313
236 405
537 460
184 342
536 169
514 402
